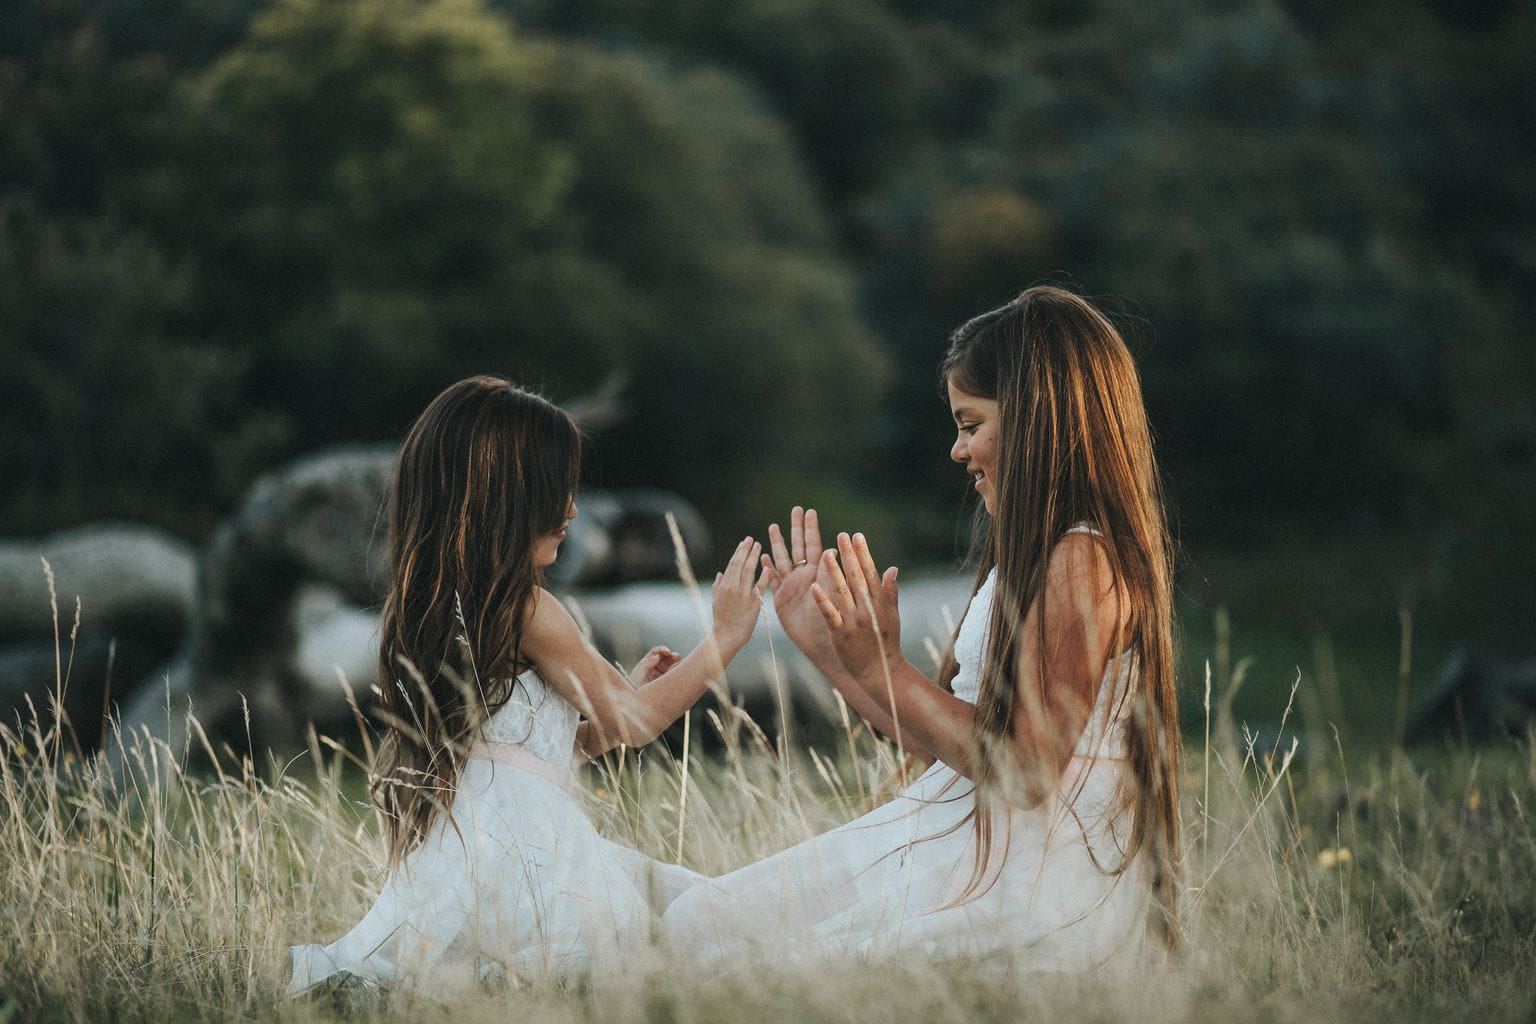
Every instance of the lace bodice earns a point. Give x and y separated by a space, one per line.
536 718
1105 733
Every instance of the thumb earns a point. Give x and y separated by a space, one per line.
888 583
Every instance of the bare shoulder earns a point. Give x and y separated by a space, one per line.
550 627
1081 559
1081 574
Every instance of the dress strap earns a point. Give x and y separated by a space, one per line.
520 757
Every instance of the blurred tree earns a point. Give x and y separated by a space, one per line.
741 341
1325 211
107 399
361 202
862 85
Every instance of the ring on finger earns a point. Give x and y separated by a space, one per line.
803 561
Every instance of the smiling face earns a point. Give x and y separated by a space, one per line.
547 548
977 428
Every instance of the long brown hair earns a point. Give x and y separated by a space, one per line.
485 471
1074 447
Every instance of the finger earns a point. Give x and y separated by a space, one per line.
857 585
744 563
888 584
826 607
766 577
866 562
812 534
781 557
830 577
771 572
797 534
732 569
749 564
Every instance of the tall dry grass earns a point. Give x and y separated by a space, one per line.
1322 886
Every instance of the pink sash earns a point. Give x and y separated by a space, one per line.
521 757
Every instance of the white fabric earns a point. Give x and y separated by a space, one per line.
890 881
524 885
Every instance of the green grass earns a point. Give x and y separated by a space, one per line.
1338 886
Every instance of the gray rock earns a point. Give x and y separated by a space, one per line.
1477 697
135 588
126 576
283 590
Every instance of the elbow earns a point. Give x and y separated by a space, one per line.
622 727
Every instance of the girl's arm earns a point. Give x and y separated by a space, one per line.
790 572
616 711
1085 615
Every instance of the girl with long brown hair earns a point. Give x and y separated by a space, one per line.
494 869
1045 831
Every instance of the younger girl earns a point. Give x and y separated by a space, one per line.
1047 827
494 868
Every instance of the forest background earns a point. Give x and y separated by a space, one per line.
235 231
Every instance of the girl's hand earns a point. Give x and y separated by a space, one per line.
859 606
737 598
654 665
790 572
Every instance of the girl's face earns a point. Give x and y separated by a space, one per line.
547 548
976 441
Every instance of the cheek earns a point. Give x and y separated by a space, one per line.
985 451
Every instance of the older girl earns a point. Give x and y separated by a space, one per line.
1045 834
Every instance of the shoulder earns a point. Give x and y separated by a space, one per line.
1081 556
1081 574
549 625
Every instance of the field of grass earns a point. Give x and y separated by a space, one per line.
1329 885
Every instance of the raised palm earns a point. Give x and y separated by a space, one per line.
792 570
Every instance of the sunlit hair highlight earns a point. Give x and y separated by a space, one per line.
486 471
1074 448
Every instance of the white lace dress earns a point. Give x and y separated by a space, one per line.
890 882
524 886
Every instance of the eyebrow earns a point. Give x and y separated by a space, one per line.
961 412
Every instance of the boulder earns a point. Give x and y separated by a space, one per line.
1477 697
135 587
285 586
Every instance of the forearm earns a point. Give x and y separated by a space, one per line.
935 720
866 707
647 711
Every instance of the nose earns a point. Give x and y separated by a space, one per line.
958 450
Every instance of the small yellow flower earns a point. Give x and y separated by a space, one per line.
1474 799
20 749
600 793
1330 858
